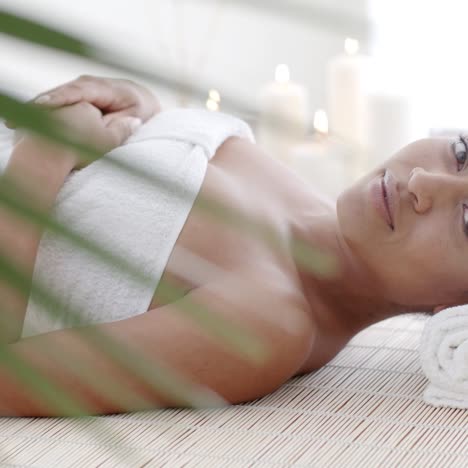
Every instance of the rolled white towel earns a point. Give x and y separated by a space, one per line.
444 358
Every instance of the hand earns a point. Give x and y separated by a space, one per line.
115 98
85 123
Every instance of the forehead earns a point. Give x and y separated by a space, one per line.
435 144
427 147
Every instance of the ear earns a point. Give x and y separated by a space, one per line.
439 308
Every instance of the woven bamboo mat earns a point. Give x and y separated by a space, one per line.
362 409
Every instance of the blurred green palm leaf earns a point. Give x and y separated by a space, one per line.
35 118
39 121
37 33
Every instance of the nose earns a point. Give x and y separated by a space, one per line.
427 188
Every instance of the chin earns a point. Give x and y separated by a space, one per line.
349 211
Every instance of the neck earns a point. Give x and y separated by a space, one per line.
351 299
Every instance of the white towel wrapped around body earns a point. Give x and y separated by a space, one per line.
444 358
133 218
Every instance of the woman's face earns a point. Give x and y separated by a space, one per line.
423 258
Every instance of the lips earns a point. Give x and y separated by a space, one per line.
385 197
391 198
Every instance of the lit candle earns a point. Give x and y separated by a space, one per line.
346 82
213 101
321 123
282 101
320 160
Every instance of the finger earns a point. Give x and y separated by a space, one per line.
51 101
39 99
42 98
65 96
121 129
108 118
93 91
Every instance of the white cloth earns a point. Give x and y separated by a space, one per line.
6 145
133 218
444 358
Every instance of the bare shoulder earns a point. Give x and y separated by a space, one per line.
238 147
236 142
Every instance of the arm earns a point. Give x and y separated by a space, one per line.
39 170
168 336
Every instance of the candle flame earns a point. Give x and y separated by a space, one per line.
321 122
351 46
282 73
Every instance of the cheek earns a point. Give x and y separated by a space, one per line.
430 249
429 262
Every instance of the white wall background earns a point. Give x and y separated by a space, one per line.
422 49
235 48
420 45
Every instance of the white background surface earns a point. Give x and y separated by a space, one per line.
421 46
232 47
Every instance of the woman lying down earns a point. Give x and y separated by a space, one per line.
398 237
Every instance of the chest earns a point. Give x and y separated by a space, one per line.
239 218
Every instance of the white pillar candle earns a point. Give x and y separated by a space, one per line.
346 82
388 123
286 101
321 160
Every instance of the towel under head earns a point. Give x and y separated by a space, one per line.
444 358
